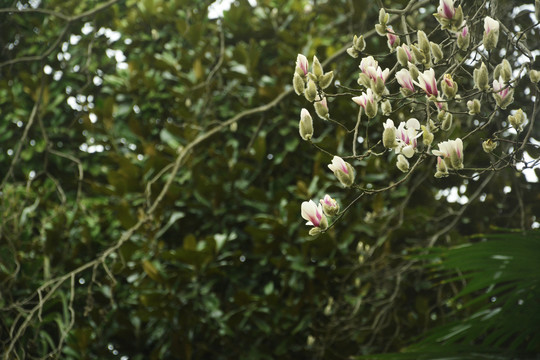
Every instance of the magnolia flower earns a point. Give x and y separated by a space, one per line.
368 62
503 94
404 55
491 33
314 215
367 101
446 9
342 170
452 152
428 83
302 65
321 108
404 79
406 134
393 40
329 205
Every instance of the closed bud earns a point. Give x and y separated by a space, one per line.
423 42
534 75
436 52
427 136
419 55
447 122
342 170
321 108
371 109
298 84
489 145
306 125
506 71
458 18
402 163
326 79
315 231
413 70
329 205
537 9
449 87
311 91
402 57
386 107
389 135
517 120
481 78
442 168
317 67
491 33
364 80
383 17
359 43
463 41
474 106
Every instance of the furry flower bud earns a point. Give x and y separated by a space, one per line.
474 106
464 38
329 205
491 33
534 75
402 163
321 108
480 77
317 67
447 122
389 135
342 170
306 125
298 84
449 87
427 136
436 51
489 145
326 79
517 120
311 91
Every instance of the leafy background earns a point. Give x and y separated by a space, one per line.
153 176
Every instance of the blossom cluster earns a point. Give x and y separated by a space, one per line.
424 73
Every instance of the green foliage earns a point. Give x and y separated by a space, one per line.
125 231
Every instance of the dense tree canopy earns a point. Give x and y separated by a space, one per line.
154 175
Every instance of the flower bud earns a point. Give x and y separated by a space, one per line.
383 17
474 106
364 80
380 29
413 70
491 33
436 52
423 43
464 38
480 77
321 108
537 9
315 231
489 145
389 135
298 84
306 125
534 75
393 39
359 43
301 65
371 109
386 107
427 137
317 67
404 55
342 170
311 91
402 163
418 54
517 120
449 87
326 79
442 169
447 122
329 205
506 70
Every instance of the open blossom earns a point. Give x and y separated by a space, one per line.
368 62
329 205
404 79
452 153
302 65
407 134
367 101
446 9
342 170
428 82
314 214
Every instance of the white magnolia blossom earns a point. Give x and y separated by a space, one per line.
406 137
404 79
342 170
452 153
314 215
302 64
428 82
446 9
